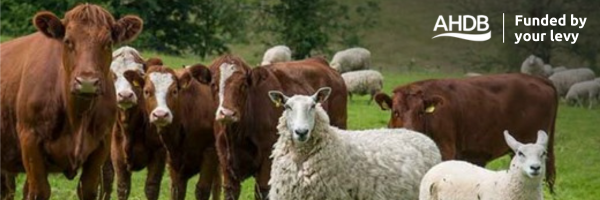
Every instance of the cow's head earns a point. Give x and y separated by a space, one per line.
128 72
409 106
231 78
162 91
87 33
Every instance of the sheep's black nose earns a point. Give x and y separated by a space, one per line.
301 132
535 167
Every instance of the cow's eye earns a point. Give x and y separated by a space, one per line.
69 44
146 93
396 113
174 92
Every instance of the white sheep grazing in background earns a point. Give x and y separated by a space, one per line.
584 91
565 79
472 74
459 180
534 65
351 60
558 69
363 82
279 53
313 160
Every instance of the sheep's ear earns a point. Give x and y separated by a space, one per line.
512 143
322 94
384 101
278 98
542 138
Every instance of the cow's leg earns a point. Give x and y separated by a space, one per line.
123 178
262 180
35 168
231 183
8 186
108 176
209 170
87 188
178 185
156 169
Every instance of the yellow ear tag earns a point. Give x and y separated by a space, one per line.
430 109
136 84
277 104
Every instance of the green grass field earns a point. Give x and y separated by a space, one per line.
577 144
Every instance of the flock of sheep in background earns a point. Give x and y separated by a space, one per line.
577 86
354 65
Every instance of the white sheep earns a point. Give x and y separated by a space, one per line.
584 91
558 69
363 82
279 53
565 79
534 65
351 59
313 160
459 180
472 74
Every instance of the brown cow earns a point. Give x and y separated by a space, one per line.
58 97
135 144
247 119
466 117
183 111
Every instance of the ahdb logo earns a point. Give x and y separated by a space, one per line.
463 21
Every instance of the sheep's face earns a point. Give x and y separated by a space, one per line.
529 158
300 112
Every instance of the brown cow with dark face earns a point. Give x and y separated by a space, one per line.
466 117
247 119
58 98
135 143
183 112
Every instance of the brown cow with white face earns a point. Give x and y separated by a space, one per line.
183 112
466 117
135 144
58 99
247 119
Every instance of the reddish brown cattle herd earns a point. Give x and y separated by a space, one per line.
65 108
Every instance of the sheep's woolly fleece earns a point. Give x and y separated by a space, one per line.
351 59
337 164
280 53
565 79
363 82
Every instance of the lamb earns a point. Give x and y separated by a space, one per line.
534 65
584 91
313 160
464 181
351 59
565 79
280 53
363 82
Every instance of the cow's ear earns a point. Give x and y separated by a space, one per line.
135 78
433 102
50 25
384 101
152 62
257 75
200 73
185 79
127 29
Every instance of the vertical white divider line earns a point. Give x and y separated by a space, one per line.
502 27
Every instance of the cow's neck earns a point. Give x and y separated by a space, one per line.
172 137
133 122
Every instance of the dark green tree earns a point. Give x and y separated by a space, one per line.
314 25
